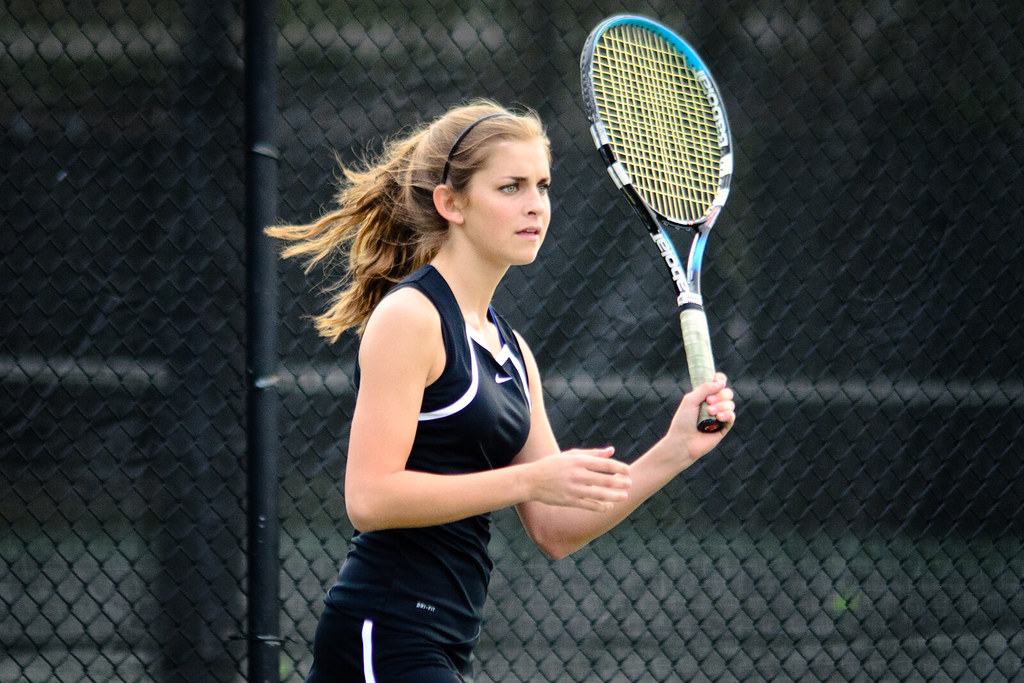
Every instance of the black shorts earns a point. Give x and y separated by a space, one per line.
349 649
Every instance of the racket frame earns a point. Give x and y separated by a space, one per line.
685 275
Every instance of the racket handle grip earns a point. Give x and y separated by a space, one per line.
699 360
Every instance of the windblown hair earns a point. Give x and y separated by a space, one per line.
385 221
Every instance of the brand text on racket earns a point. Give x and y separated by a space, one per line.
678 274
716 107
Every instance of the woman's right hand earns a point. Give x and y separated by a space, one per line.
585 478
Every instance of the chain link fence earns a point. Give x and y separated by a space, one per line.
863 521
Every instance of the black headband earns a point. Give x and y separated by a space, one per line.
458 140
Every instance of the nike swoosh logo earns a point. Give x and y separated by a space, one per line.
501 380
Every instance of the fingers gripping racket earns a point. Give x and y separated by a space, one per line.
659 125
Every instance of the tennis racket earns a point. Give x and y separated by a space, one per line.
660 127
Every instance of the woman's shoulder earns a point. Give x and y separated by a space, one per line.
403 340
406 311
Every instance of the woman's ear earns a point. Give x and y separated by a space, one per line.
446 204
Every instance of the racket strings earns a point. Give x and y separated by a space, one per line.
660 121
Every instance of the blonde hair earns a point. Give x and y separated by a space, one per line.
385 221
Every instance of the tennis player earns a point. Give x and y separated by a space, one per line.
449 422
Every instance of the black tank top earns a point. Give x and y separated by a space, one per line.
474 417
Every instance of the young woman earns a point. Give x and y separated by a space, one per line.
449 422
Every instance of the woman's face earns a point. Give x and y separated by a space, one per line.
505 208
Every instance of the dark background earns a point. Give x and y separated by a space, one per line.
863 521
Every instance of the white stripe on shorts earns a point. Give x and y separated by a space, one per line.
368 651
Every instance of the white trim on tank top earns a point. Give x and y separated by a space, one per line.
463 400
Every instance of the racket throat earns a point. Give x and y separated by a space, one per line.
687 294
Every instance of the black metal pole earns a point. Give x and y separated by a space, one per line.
262 362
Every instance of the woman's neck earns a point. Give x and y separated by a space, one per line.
473 286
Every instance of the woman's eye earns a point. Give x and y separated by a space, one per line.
510 188
543 188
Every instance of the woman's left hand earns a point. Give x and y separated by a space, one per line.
721 404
